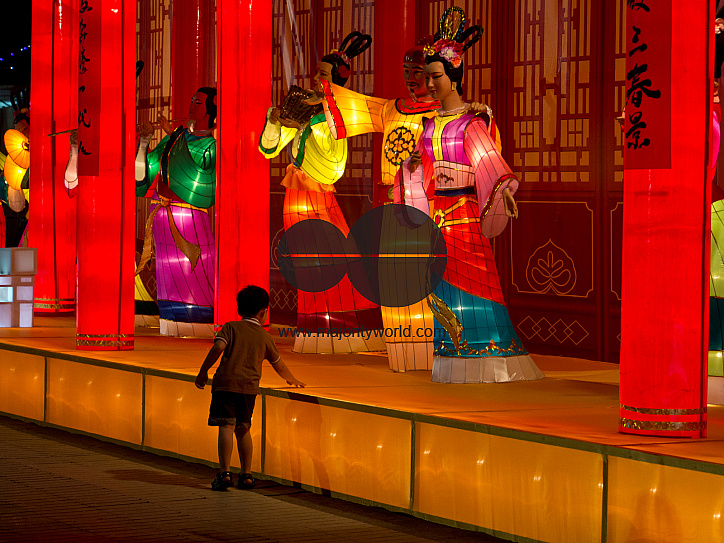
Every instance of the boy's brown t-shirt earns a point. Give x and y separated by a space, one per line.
247 346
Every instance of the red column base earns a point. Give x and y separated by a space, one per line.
53 306
104 342
662 422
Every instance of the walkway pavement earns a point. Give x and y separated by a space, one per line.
59 487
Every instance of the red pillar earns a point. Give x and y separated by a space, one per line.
244 37
41 158
389 50
664 309
192 42
106 195
52 214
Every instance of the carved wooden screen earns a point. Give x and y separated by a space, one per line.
303 32
555 84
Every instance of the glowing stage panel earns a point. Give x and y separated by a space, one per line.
652 502
22 384
510 460
508 485
95 399
347 451
177 420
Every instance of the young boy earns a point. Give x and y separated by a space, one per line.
244 344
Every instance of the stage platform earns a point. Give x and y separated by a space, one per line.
526 461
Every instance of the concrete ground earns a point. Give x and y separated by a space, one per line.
60 487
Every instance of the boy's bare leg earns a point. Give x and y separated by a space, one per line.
245 446
226 446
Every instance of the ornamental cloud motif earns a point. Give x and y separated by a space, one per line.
550 270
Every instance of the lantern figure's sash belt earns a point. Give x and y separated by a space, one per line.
190 250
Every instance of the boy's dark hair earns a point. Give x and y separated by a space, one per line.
251 300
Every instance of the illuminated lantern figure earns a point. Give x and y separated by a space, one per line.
179 227
716 291
400 121
475 340
15 172
318 161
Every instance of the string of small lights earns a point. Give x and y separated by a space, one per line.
8 57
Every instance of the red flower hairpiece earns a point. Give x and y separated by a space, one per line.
450 50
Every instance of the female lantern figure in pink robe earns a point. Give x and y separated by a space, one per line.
475 340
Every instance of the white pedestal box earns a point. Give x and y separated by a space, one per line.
17 281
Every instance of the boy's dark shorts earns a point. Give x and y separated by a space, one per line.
231 409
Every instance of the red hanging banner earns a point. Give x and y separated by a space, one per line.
647 126
89 88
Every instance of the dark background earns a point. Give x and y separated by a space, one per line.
15 35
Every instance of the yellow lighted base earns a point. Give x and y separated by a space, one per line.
513 486
651 502
22 384
514 460
94 399
177 416
353 453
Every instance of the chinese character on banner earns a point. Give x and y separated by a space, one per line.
89 87
647 124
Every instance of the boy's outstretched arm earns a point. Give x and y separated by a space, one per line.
285 373
214 353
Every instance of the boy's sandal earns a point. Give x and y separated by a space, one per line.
247 481
222 481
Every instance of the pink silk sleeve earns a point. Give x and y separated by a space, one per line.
492 176
410 187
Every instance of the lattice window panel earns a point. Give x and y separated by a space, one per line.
619 87
551 90
153 29
357 180
153 45
301 67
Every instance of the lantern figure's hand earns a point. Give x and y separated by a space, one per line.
289 123
146 130
415 161
164 123
511 208
314 97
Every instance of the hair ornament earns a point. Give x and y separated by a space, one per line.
452 39
340 54
353 44
452 23
450 50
